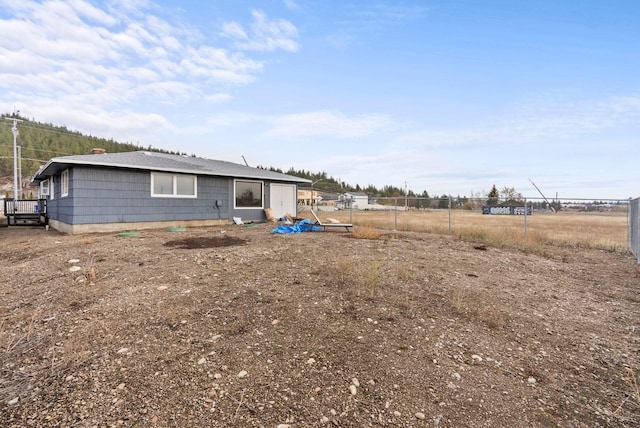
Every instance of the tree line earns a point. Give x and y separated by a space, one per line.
330 184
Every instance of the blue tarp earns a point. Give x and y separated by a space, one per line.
303 226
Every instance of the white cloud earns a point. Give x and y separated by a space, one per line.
217 98
234 31
264 35
327 123
384 13
547 123
291 4
115 56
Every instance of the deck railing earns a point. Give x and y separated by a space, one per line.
25 211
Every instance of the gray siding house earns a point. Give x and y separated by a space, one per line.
120 191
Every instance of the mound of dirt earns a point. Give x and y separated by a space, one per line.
249 328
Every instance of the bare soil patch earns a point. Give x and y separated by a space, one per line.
237 326
204 242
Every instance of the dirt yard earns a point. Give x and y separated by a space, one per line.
237 326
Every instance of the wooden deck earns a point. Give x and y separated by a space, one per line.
26 212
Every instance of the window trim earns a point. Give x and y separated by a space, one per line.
64 183
235 199
174 186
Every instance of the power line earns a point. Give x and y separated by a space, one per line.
30 159
40 150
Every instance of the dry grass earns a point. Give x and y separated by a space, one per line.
576 230
466 301
366 231
362 274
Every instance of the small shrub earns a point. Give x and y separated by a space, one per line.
460 298
372 278
366 231
360 274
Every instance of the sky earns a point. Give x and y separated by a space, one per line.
444 96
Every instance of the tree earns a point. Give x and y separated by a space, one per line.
443 202
493 197
510 194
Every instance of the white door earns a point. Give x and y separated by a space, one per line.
283 200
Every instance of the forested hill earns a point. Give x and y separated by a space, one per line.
40 142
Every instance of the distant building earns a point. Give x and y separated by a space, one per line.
355 200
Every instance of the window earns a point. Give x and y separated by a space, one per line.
173 185
44 188
64 183
186 185
162 184
52 188
248 194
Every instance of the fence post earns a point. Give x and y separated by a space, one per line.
351 211
395 214
525 219
629 229
449 214
634 227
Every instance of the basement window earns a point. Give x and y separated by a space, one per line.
249 194
173 185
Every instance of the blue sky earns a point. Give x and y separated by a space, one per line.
446 96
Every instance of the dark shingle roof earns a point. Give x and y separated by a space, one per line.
153 161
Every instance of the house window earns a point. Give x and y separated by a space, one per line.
249 194
44 188
186 185
52 188
173 185
64 183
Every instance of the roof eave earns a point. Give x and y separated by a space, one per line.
42 172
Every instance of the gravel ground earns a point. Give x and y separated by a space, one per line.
237 326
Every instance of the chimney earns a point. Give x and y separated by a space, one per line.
97 151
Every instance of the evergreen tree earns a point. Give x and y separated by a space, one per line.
493 197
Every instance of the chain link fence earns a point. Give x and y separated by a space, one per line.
634 227
572 223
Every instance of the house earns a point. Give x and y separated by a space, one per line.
307 196
315 198
329 200
355 200
118 191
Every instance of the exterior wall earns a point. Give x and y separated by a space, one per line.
254 214
107 195
360 202
109 199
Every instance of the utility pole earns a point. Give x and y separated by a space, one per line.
19 147
312 184
406 195
543 196
14 129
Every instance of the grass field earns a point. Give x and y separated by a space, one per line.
607 231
